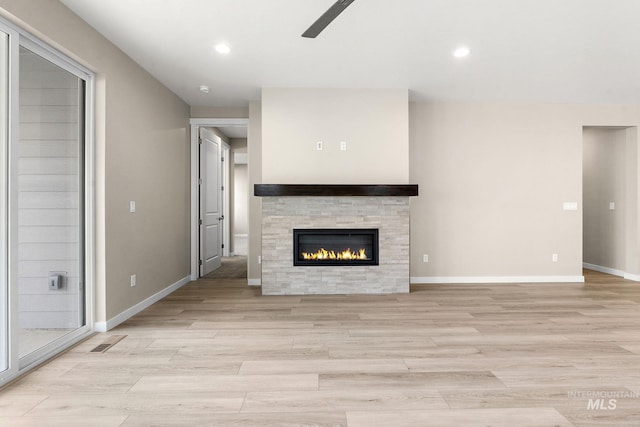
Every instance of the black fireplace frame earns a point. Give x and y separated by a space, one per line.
373 260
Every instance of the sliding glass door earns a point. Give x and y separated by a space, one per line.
48 181
45 203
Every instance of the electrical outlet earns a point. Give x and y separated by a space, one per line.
425 258
554 257
133 280
259 259
343 145
132 206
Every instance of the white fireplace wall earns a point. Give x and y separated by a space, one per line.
280 215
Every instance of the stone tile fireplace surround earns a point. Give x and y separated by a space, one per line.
288 207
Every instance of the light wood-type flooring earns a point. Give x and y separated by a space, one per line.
216 353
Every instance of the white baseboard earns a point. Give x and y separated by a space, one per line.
497 279
602 269
254 282
607 270
634 277
130 312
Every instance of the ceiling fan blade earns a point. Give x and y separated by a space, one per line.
326 18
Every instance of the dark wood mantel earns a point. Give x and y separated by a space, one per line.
332 190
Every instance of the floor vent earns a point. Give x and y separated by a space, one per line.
107 344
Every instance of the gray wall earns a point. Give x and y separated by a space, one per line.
142 154
254 150
241 199
493 181
239 176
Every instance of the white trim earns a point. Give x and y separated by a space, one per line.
634 277
54 348
497 279
220 122
132 311
195 268
613 271
226 199
254 282
90 223
5 139
603 269
10 164
195 123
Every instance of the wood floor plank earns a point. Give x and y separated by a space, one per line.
322 366
509 417
199 366
468 380
108 404
220 383
440 364
342 400
52 420
634 348
300 419
17 403
570 377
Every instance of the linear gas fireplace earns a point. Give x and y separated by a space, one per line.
335 246
317 213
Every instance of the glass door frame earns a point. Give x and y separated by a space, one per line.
8 230
5 93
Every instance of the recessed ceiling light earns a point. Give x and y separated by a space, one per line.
204 89
461 52
222 48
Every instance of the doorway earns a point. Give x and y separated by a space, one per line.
233 134
610 200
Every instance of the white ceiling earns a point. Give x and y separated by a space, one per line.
234 131
574 51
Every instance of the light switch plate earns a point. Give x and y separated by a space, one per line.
570 206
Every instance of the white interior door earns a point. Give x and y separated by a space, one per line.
210 202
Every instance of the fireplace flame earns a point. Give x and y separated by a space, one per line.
347 254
